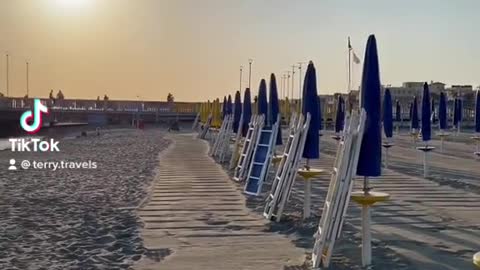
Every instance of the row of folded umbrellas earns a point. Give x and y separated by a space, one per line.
377 111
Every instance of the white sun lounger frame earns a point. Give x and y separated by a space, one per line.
339 191
272 131
238 137
203 133
287 169
195 122
255 125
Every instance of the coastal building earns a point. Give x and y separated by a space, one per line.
408 90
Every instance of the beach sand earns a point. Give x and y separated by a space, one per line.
78 218
428 223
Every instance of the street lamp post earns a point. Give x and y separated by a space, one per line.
27 74
300 90
290 99
293 79
8 89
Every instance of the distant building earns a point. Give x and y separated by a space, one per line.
405 95
459 90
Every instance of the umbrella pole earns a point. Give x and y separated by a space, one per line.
307 194
386 158
441 144
366 235
367 198
425 164
307 174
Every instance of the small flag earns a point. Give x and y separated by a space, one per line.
356 60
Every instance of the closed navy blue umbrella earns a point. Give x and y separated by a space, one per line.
275 107
410 111
442 111
247 111
477 112
370 159
460 110
224 107
387 114
262 104
426 113
229 105
434 114
310 101
398 112
237 112
340 115
320 116
455 112
415 121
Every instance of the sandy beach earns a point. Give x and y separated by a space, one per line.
78 218
427 224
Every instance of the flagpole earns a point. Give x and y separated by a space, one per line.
241 71
349 64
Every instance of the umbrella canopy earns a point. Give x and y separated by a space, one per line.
477 111
274 107
398 112
387 114
224 107
310 101
237 112
370 159
434 115
340 115
262 104
320 116
460 110
455 112
415 122
442 111
247 111
410 111
426 113
229 105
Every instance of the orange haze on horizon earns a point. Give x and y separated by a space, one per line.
193 49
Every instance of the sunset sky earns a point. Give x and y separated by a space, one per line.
193 48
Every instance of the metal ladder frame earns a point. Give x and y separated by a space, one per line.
283 171
273 130
272 199
225 144
218 138
292 173
203 133
238 137
338 195
195 122
225 134
248 146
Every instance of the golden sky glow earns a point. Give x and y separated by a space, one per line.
193 48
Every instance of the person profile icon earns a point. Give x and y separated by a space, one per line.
12 165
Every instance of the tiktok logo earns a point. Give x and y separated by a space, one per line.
38 109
